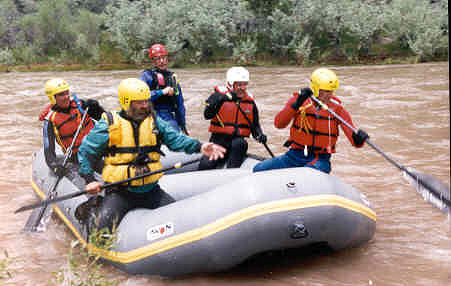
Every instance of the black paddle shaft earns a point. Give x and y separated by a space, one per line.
422 182
253 127
105 186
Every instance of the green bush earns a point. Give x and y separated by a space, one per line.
418 25
207 27
199 31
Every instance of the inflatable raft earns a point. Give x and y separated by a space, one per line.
222 217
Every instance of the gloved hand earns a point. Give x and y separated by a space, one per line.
261 138
234 96
59 170
218 99
360 137
95 110
305 93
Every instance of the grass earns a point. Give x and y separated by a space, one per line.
5 265
84 268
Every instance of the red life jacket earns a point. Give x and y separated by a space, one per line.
315 128
65 125
45 111
230 120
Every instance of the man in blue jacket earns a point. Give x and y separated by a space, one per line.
129 140
165 91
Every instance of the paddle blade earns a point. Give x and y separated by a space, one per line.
431 189
36 223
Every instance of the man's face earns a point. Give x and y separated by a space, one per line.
62 99
240 87
139 110
324 95
161 62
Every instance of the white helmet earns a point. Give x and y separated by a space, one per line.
235 74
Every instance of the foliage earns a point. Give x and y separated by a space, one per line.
203 27
83 267
240 31
244 53
418 25
363 22
6 57
5 265
9 22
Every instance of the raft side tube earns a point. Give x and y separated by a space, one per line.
264 211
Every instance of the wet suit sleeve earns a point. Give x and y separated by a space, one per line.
92 148
177 141
146 76
284 117
256 130
343 113
212 105
180 111
48 136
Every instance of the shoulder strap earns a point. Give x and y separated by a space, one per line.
108 117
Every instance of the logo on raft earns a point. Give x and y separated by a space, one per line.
160 231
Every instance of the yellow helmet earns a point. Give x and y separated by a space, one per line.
325 79
132 89
55 86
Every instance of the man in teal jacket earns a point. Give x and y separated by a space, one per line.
129 141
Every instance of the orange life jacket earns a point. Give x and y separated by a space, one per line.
315 129
230 120
65 125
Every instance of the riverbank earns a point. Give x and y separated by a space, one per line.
372 60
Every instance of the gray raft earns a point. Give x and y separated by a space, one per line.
222 217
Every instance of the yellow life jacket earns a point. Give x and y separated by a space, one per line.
124 154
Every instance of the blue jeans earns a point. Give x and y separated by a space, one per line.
296 158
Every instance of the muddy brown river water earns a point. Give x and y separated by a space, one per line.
404 108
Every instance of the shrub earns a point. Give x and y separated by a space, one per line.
204 27
418 25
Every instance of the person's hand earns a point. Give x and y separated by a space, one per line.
59 170
261 138
168 91
95 110
302 96
217 99
360 137
213 151
92 104
94 187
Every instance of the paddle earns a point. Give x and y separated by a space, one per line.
34 221
251 125
432 186
105 186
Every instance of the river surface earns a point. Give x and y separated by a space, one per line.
404 108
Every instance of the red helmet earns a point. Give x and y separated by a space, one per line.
157 50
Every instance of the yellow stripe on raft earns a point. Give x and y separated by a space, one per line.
222 223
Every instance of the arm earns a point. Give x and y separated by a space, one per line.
146 76
177 141
95 109
92 148
284 117
348 132
48 137
180 112
213 104
257 130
